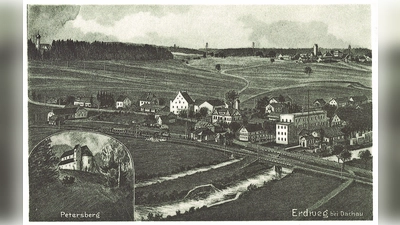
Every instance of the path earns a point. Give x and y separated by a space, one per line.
331 195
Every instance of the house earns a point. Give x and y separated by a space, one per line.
333 135
309 138
254 133
286 99
337 54
319 103
68 113
83 101
275 107
291 124
204 124
181 102
79 158
358 100
203 134
148 98
338 102
273 116
335 121
151 108
123 102
224 115
165 119
211 105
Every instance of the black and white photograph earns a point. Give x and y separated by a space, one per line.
200 112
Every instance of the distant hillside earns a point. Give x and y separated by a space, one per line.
81 50
284 51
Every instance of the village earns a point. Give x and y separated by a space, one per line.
323 124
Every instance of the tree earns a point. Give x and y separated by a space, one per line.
281 99
203 111
261 104
43 165
337 150
345 156
272 60
70 100
307 70
330 110
230 97
365 156
272 54
218 67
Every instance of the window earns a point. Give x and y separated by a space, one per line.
279 133
285 139
279 138
172 106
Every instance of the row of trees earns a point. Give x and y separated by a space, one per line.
82 50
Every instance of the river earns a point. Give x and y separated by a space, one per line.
222 196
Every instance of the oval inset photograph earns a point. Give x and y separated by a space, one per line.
80 176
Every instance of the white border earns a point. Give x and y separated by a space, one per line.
374 44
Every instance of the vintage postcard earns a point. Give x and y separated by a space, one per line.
200 112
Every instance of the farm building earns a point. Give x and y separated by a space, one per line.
148 98
275 108
210 105
332 135
309 138
338 102
224 115
203 134
151 108
67 113
83 101
79 158
319 102
123 102
254 133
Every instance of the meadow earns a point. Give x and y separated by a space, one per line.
274 201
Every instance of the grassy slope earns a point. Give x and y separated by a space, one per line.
164 78
356 198
167 158
87 194
189 182
274 201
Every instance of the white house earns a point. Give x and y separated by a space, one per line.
83 101
181 102
79 158
123 102
339 102
335 121
224 115
211 105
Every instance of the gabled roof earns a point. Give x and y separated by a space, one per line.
67 153
332 132
203 131
187 97
121 98
225 111
82 99
320 100
85 151
215 102
147 96
253 127
359 98
66 161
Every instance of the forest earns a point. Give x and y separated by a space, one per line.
82 50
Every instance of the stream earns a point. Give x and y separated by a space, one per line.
219 197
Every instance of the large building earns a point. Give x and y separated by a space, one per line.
210 105
79 158
181 102
291 124
224 115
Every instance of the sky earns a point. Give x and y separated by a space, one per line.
192 26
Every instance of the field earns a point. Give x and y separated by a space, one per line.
356 198
47 203
164 78
288 78
274 201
